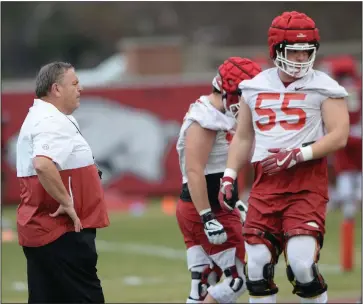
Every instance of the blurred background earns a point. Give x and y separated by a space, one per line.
141 65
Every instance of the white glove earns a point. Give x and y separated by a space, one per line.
213 229
242 208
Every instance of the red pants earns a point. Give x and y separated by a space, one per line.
280 213
193 230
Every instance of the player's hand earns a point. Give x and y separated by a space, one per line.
225 193
213 229
71 212
281 159
242 208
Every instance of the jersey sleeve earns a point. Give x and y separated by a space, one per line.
327 86
51 139
249 87
209 118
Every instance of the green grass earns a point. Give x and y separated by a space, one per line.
130 271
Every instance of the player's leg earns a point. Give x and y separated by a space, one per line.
302 271
234 283
202 270
346 187
263 247
229 257
303 224
204 273
358 189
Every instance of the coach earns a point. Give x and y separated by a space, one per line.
61 198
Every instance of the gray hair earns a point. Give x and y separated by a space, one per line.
49 74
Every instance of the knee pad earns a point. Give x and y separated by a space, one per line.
232 287
203 276
196 256
307 235
301 257
260 271
272 241
312 289
203 272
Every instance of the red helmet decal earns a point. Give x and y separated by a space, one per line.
292 27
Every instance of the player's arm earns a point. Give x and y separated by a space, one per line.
198 145
238 154
336 120
242 141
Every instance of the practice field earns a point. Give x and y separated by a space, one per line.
142 259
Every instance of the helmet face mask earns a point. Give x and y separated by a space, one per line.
234 109
231 104
293 31
294 68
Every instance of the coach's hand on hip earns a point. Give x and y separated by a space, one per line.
213 229
69 209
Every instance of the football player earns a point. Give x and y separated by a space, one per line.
213 237
297 116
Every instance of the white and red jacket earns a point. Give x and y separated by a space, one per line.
49 133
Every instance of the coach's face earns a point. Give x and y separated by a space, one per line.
70 91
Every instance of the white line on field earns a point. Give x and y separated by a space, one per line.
142 249
173 254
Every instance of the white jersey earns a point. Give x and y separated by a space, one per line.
287 117
205 114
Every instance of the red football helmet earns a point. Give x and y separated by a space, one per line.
293 31
340 66
343 68
230 73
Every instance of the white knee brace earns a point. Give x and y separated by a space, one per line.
301 255
260 271
257 257
232 287
202 277
302 269
201 267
